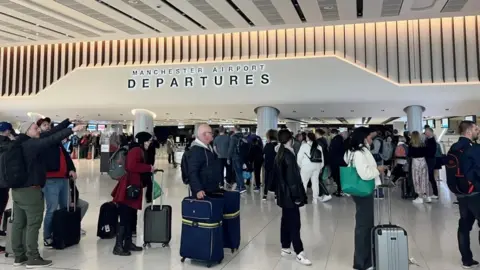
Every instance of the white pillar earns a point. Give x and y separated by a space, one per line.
143 121
414 117
293 127
400 126
267 118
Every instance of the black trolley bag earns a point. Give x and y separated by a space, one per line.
389 241
157 221
66 224
107 221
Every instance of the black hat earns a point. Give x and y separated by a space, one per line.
142 137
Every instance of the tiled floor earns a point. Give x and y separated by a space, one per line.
327 232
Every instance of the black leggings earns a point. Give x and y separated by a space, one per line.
257 169
128 219
290 229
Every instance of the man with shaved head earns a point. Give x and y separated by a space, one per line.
205 170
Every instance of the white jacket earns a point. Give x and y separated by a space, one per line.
365 164
303 158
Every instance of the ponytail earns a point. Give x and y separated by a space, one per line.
280 154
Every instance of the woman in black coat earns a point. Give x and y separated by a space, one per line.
291 196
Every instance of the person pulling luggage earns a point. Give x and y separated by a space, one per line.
205 170
128 193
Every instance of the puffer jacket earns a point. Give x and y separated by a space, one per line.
205 170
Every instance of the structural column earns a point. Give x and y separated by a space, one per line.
143 121
293 127
267 118
414 117
400 126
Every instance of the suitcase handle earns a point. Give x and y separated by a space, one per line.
386 186
161 184
74 195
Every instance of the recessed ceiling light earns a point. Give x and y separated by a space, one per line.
328 7
241 112
121 114
383 110
322 111
294 111
447 109
352 110
133 1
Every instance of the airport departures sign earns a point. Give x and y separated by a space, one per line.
198 76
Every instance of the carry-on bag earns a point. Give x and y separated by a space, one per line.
66 224
389 242
157 221
8 240
231 220
107 221
202 231
5 217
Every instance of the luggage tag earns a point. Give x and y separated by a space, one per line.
107 228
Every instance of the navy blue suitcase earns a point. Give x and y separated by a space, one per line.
202 231
231 220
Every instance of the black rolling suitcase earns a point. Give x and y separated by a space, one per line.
107 221
157 221
66 225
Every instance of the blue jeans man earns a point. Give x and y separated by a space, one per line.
238 169
56 197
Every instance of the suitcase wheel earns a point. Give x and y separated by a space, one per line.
6 255
233 250
164 245
209 265
147 245
182 260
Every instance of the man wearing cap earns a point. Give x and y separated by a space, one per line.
60 168
28 201
6 136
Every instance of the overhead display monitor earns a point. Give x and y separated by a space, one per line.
445 123
92 127
472 118
101 127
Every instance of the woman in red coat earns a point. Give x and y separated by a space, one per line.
128 194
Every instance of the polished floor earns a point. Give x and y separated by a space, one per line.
327 232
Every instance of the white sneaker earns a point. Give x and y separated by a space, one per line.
83 232
428 199
326 198
314 200
286 252
418 200
371 268
434 197
302 259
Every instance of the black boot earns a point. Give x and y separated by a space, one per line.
130 246
118 249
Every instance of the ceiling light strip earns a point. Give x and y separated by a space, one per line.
184 14
240 12
37 25
299 11
129 16
17 35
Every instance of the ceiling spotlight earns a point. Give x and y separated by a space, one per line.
447 109
241 112
383 110
352 110
294 111
322 111
328 7
133 1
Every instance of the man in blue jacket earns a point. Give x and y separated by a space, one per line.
205 170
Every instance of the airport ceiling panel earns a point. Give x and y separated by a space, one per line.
59 20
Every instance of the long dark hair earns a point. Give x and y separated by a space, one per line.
312 138
357 139
284 136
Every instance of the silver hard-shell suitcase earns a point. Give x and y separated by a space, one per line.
389 242
157 221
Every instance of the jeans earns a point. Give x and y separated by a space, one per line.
171 158
364 223
28 206
56 193
469 212
290 229
238 169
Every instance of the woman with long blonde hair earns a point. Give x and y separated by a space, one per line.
417 152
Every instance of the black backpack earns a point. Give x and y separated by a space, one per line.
13 171
184 167
456 179
243 149
315 155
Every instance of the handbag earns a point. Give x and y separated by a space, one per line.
352 183
133 192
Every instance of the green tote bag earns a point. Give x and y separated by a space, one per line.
353 184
